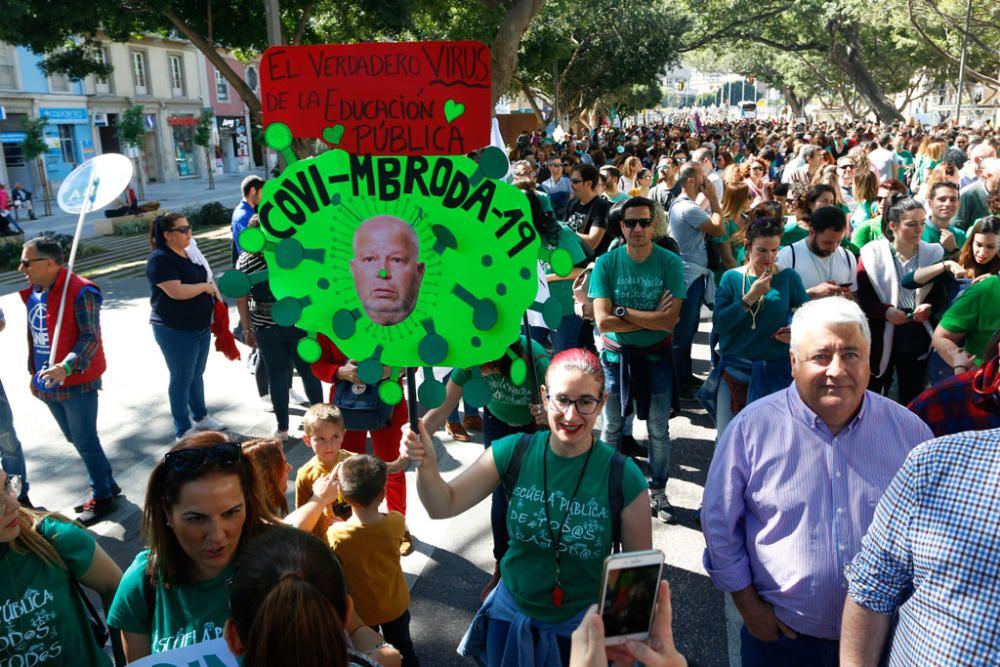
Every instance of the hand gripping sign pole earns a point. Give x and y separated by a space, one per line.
90 187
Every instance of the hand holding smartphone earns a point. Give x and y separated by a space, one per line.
628 595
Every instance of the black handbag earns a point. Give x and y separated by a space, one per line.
97 626
361 407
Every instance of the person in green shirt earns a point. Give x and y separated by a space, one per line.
559 522
638 290
507 412
943 202
961 335
45 622
202 506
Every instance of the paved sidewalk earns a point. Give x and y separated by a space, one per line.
172 196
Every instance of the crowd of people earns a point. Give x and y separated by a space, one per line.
850 508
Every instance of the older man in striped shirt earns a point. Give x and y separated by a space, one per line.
793 486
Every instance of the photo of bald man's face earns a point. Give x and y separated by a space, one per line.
386 272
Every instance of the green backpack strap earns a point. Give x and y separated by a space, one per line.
616 499
513 471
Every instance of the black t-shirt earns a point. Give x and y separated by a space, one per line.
581 218
188 314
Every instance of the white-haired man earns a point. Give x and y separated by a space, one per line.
793 486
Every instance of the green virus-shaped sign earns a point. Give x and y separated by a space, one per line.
402 261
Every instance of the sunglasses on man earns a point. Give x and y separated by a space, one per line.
630 223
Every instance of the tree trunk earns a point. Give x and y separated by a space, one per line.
503 51
210 166
44 182
796 104
845 53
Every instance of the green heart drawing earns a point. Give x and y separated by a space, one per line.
333 135
453 110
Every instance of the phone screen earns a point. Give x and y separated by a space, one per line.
629 598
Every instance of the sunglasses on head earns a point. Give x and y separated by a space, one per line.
224 454
630 223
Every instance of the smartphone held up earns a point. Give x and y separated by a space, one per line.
628 594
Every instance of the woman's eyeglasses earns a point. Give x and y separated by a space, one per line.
585 405
224 455
183 229
12 489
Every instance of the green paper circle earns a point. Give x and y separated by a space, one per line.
501 289
484 315
344 323
278 137
370 370
432 349
309 350
234 284
289 253
552 312
487 260
286 312
518 371
390 393
561 262
476 392
323 283
431 393
493 162
475 341
252 240
525 273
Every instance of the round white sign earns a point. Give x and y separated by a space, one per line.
111 172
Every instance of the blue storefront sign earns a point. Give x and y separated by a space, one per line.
55 115
12 137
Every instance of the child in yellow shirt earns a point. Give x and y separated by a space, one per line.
367 545
324 433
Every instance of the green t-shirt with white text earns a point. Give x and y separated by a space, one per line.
528 567
637 285
182 615
509 402
44 622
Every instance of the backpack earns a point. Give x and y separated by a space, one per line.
616 497
362 410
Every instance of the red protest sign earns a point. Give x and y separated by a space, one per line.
390 98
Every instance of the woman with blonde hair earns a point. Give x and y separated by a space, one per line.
630 170
268 458
735 204
48 557
865 195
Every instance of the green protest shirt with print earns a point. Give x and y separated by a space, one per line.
182 615
933 235
637 285
44 622
976 314
529 566
508 402
562 290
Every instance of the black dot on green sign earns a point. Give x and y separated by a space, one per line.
525 273
487 260
501 289
475 341
323 283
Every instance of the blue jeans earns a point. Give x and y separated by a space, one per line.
77 419
496 643
723 410
186 353
805 650
277 346
11 454
687 327
658 424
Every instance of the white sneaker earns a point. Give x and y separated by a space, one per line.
191 431
295 397
281 435
208 423
265 402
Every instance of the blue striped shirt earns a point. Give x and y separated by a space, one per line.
933 553
787 502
